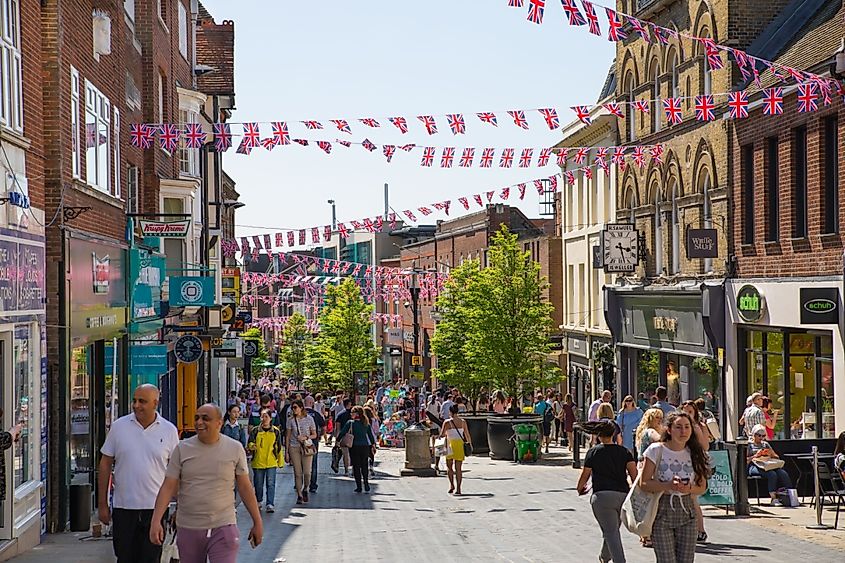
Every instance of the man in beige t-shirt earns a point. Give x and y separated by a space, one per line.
202 472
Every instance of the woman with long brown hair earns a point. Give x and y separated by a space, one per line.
363 442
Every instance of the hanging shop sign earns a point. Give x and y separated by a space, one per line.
188 349
750 303
193 291
230 284
164 229
250 348
702 243
227 313
819 305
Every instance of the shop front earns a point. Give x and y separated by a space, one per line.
23 385
580 372
668 338
785 341
97 354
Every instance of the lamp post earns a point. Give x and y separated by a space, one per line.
415 302
334 214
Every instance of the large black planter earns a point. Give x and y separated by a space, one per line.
500 430
477 424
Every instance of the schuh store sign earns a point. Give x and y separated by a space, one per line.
819 305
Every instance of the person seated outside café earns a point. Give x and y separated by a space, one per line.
759 449
839 454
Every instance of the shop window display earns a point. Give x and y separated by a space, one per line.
81 458
25 413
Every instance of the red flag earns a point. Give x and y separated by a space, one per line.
477 198
521 188
465 202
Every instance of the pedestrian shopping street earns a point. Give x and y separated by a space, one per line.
508 512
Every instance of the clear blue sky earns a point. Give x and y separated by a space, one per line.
338 59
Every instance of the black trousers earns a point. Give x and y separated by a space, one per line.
131 536
360 457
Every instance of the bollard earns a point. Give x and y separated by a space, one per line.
417 452
818 525
576 449
741 506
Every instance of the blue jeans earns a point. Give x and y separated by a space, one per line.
312 486
259 477
775 479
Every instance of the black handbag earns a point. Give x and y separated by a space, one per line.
467 445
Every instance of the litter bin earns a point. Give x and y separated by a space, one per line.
80 507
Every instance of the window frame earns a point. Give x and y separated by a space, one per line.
799 182
102 117
75 109
183 29
747 172
11 113
132 188
830 191
772 189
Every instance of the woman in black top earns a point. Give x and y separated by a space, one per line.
610 465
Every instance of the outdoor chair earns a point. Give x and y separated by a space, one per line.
832 487
756 479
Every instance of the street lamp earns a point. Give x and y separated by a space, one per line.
415 306
334 215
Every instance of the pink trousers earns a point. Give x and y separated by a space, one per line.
218 545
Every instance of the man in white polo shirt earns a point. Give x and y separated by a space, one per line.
138 446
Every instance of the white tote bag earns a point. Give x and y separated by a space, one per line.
640 508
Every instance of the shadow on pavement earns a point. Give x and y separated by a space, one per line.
723 549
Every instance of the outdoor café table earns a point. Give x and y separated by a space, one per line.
808 457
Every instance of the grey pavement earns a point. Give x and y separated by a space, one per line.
509 513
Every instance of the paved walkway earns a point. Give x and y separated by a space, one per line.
509 513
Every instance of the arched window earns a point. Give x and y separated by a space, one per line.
654 76
675 232
675 85
658 231
630 204
707 78
707 212
630 125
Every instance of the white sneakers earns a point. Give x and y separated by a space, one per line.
271 508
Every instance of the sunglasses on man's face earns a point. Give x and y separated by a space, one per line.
759 435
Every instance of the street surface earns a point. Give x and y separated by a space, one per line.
508 513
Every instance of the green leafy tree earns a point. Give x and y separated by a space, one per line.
262 357
345 340
317 376
460 297
510 321
296 341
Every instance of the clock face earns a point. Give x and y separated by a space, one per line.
620 248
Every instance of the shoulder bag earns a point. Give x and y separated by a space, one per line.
467 445
348 438
640 507
308 448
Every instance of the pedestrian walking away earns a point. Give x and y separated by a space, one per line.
202 472
362 443
456 433
311 407
609 465
300 434
340 421
137 448
265 444
682 471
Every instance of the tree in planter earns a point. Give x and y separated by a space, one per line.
346 333
296 341
259 361
455 366
510 322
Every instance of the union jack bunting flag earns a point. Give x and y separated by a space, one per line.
378 223
638 156
519 118
341 142
570 177
243 148
456 123
487 158
256 242
342 230
614 109
400 122
342 125
427 157
327 233
312 124
521 188
447 157
467 157
796 75
389 151
490 195
280 133
588 172
392 218
280 241
601 156
303 142
575 17
356 226
618 156
561 157
252 135
661 33
591 17
367 144
301 236
674 113
477 198
325 145
553 181
773 101
194 136
742 63
465 202
291 236
615 25
704 108
505 193
487 117
370 227
370 122
639 28
538 185
544 156
269 143
428 121
807 98
714 55
515 3
525 158
581 155
657 153
168 137
244 245
408 148
315 234
140 135
583 113
738 102
643 106
443 206
535 10
550 115
507 158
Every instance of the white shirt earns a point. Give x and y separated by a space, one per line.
140 459
445 409
337 409
594 409
672 463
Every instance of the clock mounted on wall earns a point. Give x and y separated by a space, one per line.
620 248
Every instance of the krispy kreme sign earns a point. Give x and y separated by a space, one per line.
169 229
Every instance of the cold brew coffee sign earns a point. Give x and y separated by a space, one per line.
750 304
819 305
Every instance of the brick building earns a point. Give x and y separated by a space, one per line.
689 190
460 239
784 334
